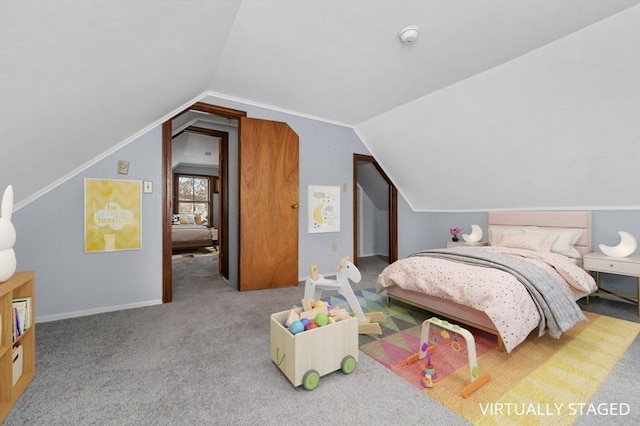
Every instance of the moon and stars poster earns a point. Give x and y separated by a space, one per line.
324 209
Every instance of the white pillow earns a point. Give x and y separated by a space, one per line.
564 244
187 219
493 231
534 241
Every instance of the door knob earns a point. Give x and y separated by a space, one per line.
294 205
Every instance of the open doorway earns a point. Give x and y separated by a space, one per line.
269 156
196 164
375 212
207 120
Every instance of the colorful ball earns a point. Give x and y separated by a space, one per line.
318 304
305 322
311 326
296 327
321 319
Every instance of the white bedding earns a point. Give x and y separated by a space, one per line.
189 232
495 292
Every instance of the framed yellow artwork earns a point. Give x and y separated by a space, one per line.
112 215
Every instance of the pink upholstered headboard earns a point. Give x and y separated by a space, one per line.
548 219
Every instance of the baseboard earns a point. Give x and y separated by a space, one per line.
76 314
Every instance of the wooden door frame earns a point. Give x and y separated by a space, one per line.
223 196
393 208
167 190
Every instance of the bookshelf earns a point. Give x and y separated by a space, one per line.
21 284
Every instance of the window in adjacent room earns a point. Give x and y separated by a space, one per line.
193 196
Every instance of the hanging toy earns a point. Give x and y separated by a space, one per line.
428 326
429 369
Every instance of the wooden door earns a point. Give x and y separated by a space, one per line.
268 252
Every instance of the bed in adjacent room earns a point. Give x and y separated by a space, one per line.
186 233
527 278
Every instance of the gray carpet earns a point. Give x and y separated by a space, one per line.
204 360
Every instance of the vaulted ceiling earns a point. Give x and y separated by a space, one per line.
79 78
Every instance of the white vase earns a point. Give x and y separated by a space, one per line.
7 264
7 236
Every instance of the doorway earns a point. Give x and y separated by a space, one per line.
369 177
262 151
223 188
208 153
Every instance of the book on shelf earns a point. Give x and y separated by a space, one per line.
16 324
21 316
24 309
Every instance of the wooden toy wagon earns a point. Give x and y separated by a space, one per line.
305 357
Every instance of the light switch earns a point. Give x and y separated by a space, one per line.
147 187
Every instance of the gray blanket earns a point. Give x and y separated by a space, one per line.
558 310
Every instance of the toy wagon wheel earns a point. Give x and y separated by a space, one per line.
310 379
348 364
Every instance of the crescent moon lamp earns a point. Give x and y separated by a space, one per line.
628 245
474 236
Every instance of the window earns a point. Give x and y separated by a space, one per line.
192 195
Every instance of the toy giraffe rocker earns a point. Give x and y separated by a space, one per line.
346 271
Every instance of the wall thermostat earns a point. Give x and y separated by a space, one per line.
123 167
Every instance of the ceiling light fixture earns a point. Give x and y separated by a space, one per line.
409 34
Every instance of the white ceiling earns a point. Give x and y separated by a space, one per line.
79 78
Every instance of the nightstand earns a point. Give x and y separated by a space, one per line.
463 243
599 262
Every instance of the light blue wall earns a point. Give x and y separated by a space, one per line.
71 283
374 228
326 158
420 230
50 241
368 226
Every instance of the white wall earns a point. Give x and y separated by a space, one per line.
557 128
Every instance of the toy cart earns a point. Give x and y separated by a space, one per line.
306 356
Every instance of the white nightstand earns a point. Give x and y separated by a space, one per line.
463 243
599 262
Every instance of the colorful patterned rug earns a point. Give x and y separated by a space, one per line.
542 381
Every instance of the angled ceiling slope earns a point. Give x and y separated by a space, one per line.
79 79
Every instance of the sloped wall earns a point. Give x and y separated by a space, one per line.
557 128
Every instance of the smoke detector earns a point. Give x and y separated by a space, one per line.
409 34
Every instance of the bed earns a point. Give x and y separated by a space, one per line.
490 288
187 234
